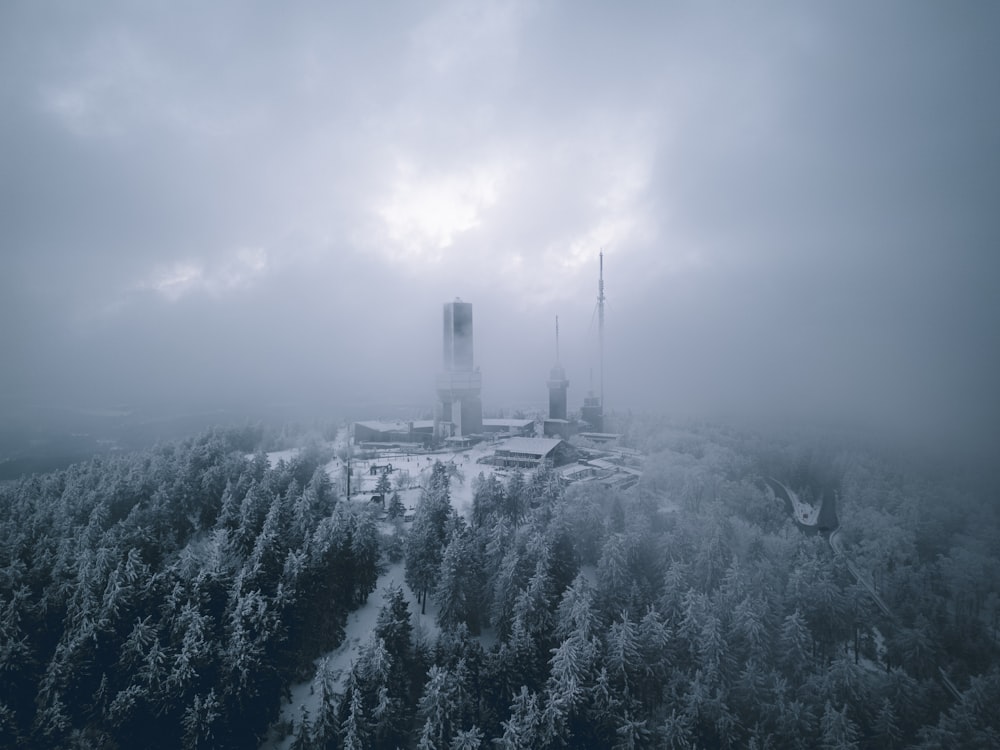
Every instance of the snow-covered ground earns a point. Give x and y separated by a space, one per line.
286 455
418 467
336 664
806 514
305 696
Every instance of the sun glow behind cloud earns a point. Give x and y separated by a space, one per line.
723 162
618 219
423 214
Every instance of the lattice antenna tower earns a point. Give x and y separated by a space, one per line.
600 324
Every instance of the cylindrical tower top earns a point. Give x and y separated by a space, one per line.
458 349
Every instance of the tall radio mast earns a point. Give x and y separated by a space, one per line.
600 324
593 406
557 339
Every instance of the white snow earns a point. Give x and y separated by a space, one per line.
305 696
286 455
418 466
337 663
806 514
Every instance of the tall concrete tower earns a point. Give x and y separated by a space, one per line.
460 384
557 385
600 325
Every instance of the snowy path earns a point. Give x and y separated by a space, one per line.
803 513
838 548
807 515
361 623
337 663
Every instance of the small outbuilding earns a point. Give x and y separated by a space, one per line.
508 427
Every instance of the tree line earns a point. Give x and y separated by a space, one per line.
691 613
167 598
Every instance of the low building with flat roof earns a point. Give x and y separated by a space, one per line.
562 428
529 453
395 431
577 472
513 427
600 437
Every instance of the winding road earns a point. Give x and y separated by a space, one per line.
808 517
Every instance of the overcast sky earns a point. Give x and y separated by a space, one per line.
799 203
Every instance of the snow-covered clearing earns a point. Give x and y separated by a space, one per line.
336 664
305 696
417 466
339 441
276 456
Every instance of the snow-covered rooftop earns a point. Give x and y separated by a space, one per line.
529 445
515 423
395 425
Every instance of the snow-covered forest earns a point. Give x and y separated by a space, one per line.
170 598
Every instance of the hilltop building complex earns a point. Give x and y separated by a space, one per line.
458 412
575 446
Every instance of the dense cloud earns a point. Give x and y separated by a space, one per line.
798 204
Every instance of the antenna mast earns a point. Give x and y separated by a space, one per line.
557 339
600 324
